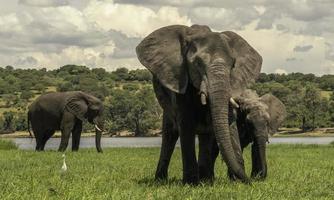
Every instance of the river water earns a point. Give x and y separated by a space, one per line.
89 142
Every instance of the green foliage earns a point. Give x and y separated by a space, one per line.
135 110
8 122
130 102
26 94
306 107
295 172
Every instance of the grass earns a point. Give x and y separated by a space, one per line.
295 172
7 145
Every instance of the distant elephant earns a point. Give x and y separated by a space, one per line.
65 111
191 65
256 119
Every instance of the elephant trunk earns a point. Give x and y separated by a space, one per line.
219 96
260 166
98 134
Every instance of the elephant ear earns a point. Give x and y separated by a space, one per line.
247 62
162 52
276 110
77 107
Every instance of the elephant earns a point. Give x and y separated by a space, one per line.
195 73
65 111
255 119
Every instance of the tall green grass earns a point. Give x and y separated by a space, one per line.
7 145
295 172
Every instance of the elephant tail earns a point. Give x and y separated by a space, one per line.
28 121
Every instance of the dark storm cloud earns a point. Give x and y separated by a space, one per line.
302 48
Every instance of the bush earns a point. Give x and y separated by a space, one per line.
26 94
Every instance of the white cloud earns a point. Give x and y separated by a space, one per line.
280 71
134 21
104 33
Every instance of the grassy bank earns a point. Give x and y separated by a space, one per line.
284 132
295 172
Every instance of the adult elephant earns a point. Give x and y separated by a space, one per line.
191 65
256 119
65 111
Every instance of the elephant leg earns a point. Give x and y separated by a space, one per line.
255 161
259 163
38 143
46 136
205 161
67 126
189 162
76 134
169 138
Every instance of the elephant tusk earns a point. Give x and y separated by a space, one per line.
98 128
234 103
203 98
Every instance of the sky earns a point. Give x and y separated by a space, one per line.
291 35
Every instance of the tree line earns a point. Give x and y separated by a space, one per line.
130 102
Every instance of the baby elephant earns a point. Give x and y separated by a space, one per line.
255 118
65 111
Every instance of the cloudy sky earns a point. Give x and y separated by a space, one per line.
291 35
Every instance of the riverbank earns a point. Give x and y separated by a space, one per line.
138 142
25 134
295 172
284 132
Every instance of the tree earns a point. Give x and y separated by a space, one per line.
8 122
21 121
312 104
140 75
26 94
121 74
137 111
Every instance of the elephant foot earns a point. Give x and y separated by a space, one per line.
233 178
205 175
192 179
38 150
161 175
259 176
61 149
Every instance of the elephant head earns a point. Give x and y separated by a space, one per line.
219 65
85 106
260 117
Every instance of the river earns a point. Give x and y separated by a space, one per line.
89 142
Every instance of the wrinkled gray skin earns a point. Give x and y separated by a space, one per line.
65 111
195 73
255 119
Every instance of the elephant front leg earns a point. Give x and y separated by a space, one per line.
76 134
259 162
190 166
169 138
66 128
205 157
